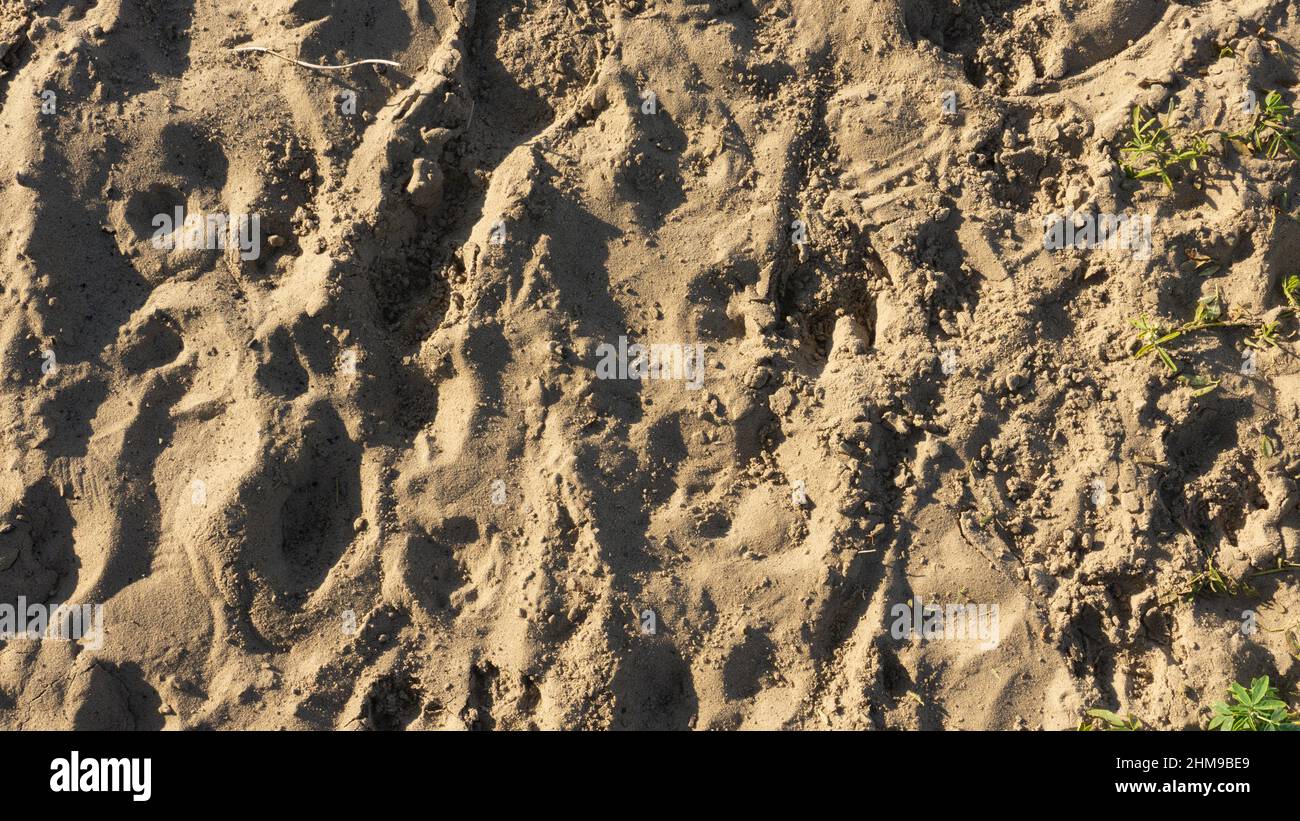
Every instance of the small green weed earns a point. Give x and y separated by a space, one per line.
1153 337
1106 721
1151 153
1270 134
1201 264
1212 580
1259 708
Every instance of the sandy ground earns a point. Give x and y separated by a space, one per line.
379 473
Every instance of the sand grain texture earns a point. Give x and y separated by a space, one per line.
391 417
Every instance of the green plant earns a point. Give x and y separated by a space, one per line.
1267 448
1151 152
1259 708
1202 264
1282 208
1281 567
1212 580
1291 290
1105 720
1270 132
1153 337
1209 580
1200 149
1200 385
1266 335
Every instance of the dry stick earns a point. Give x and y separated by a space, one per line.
315 65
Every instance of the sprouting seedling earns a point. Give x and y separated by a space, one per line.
1107 721
1281 567
1282 208
1211 580
1266 335
1269 134
1154 337
1150 151
1272 129
1256 709
1202 264
1209 314
1147 149
1267 448
1198 150
1291 290
1200 385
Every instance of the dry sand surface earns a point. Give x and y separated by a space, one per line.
389 459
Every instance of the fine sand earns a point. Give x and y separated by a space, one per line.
385 459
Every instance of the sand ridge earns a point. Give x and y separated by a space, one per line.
374 475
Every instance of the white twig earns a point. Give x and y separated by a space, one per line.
315 65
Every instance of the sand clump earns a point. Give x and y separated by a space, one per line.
374 474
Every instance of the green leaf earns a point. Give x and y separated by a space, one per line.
1258 689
